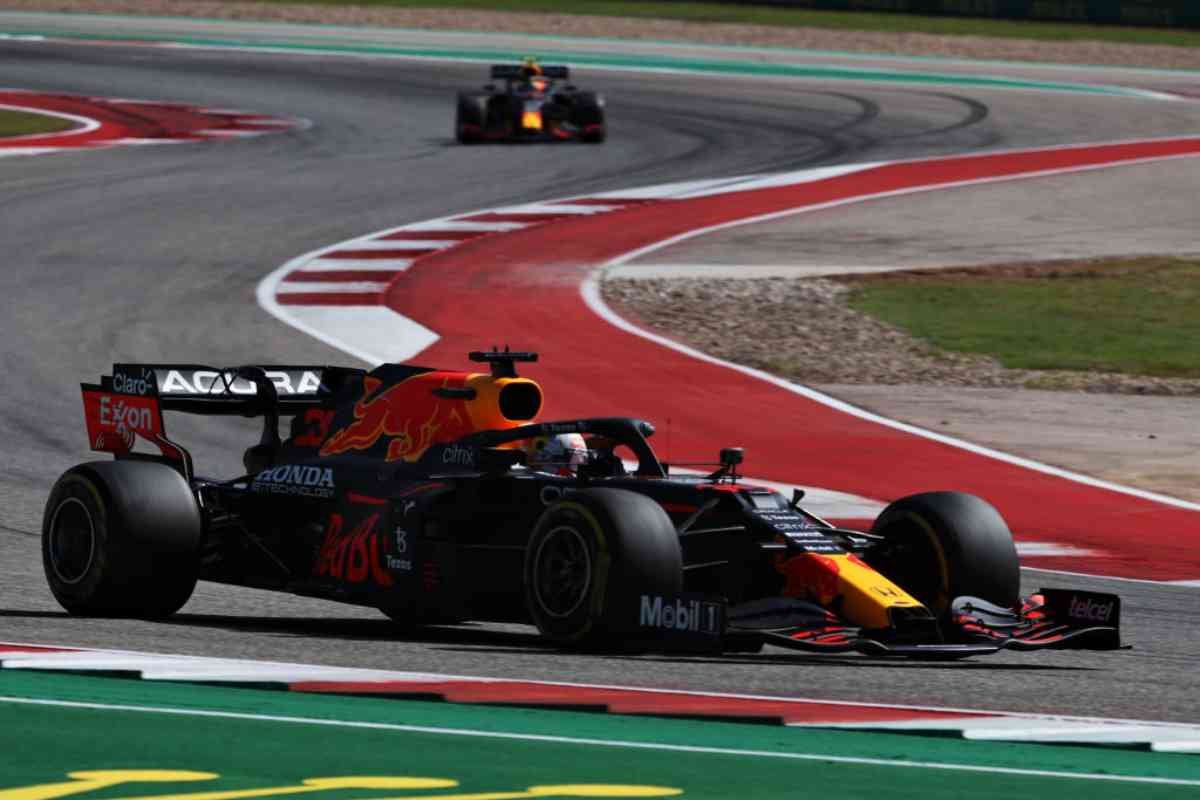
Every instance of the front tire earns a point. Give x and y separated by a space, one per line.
943 545
590 557
589 114
121 539
470 120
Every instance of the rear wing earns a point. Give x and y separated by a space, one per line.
501 72
128 405
240 391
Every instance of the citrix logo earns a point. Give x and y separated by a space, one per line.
460 456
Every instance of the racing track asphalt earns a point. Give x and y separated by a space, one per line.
153 254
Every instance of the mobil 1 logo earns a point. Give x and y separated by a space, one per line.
686 621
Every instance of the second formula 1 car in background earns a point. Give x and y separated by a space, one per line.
535 103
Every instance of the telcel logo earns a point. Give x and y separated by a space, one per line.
691 615
1088 609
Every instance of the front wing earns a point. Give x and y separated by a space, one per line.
1051 619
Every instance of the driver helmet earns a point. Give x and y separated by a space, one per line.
531 72
561 453
530 67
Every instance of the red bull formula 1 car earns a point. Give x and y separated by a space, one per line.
534 104
435 496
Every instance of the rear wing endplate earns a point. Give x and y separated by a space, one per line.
128 405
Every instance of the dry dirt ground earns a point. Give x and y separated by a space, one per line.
1137 432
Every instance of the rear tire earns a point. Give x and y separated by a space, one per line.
591 556
121 539
943 545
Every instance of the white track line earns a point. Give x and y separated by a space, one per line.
381 245
355 264
322 287
9 152
457 225
551 208
413 244
18 658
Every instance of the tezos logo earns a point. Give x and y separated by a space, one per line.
1086 608
690 615
314 482
458 456
564 427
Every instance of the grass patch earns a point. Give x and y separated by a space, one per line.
745 13
19 123
1129 316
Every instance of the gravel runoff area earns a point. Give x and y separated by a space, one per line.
755 322
920 44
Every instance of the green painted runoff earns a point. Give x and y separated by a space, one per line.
20 123
495 753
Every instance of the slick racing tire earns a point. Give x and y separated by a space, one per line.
470 120
588 114
590 558
121 539
942 545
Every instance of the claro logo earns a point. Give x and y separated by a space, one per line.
1086 608
132 384
682 615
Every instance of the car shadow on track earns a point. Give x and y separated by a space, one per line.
328 628
483 640
800 659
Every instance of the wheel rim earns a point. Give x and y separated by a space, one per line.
562 574
72 543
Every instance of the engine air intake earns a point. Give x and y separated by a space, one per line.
520 401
